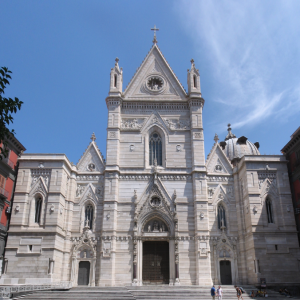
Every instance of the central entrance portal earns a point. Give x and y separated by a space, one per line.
155 262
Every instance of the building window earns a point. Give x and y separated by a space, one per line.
221 217
269 211
89 215
115 81
195 81
2 181
38 208
155 149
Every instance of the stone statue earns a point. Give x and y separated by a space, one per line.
155 226
80 190
149 228
163 227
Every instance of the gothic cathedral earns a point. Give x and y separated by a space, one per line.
155 212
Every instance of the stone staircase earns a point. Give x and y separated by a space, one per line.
142 293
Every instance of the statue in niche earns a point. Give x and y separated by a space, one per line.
84 254
80 189
149 228
210 192
155 201
155 226
162 227
91 167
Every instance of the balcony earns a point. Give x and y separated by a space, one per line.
3 192
8 161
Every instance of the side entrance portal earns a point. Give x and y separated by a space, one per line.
84 273
225 271
156 262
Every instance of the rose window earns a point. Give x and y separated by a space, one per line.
155 83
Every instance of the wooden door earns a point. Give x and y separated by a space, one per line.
225 272
155 262
84 273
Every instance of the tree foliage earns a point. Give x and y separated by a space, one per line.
8 106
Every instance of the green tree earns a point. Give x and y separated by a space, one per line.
8 106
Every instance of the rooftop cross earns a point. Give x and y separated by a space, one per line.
154 29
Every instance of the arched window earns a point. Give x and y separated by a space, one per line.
115 80
195 81
221 216
269 211
155 149
89 215
38 208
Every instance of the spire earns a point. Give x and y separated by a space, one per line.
230 135
93 137
154 38
193 80
116 79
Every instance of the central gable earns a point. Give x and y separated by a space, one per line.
154 80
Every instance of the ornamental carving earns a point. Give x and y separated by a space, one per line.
210 192
155 226
146 107
80 190
91 167
219 178
177 124
89 177
271 175
155 202
132 124
44 173
198 135
134 177
175 177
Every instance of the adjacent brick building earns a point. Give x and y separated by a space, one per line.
292 152
8 175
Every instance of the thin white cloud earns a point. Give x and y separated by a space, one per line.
249 45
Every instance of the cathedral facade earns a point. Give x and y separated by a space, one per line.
156 211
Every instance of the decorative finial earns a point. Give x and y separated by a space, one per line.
93 137
154 29
192 61
216 138
230 135
116 60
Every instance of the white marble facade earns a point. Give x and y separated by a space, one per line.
209 211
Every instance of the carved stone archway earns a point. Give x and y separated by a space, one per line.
84 249
224 249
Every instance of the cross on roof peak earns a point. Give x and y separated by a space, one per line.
154 29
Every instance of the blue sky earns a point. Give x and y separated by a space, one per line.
61 53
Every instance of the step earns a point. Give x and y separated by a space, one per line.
143 293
